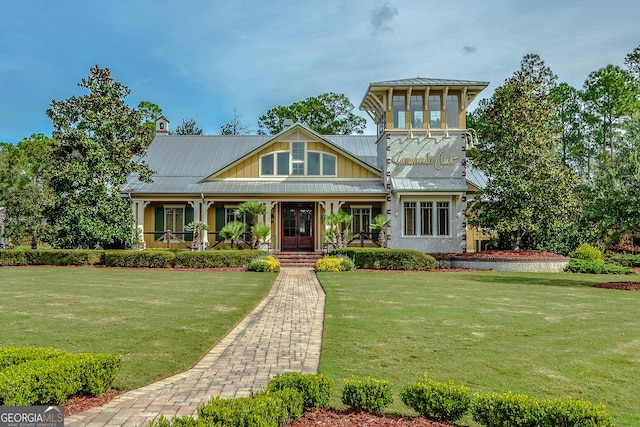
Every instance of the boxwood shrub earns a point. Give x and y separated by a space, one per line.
53 380
387 259
440 401
59 257
369 394
518 410
314 388
14 355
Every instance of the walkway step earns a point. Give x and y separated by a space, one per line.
298 259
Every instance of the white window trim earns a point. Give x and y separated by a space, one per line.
305 162
434 209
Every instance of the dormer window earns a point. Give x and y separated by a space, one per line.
161 126
298 162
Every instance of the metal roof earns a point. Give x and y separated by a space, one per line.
430 184
190 185
425 81
475 176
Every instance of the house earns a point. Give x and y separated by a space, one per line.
412 171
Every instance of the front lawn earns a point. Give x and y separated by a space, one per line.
162 322
546 335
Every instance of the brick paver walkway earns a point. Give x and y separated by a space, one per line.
283 333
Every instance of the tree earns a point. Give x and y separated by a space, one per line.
188 127
233 231
95 140
234 127
25 191
149 112
632 61
530 197
327 114
610 95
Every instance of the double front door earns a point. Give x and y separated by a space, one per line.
297 227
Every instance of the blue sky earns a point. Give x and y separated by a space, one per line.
201 59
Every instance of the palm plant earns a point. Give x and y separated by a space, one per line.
261 231
380 224
345 219
233 231
252 208
198 228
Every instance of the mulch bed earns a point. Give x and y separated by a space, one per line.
623 286
324 417
80 403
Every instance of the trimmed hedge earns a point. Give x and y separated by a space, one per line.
314 388
216 259
53 380
440 401
367 393
58 257
167 259
387 259
577 265
519 410
14 355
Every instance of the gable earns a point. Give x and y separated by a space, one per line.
308 156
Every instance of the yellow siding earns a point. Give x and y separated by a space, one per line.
250 167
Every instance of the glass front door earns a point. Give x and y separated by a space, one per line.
297 227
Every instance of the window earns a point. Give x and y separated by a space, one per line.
174 219
313 163
432 218
426 218
453 116
298 162
328 164
230 215
266 165
361 220
297 155
283 163
435 111
409 218
417 108
399 112
443 218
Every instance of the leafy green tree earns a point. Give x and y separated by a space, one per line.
233 231
95 142
188 127
530 197
327 114
614 196
25 191
632 61
149 112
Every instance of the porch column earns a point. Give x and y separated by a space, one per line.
205 219
137 208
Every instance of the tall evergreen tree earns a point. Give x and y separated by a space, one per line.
96 141
530 197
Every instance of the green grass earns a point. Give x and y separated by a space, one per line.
162 322
546 335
